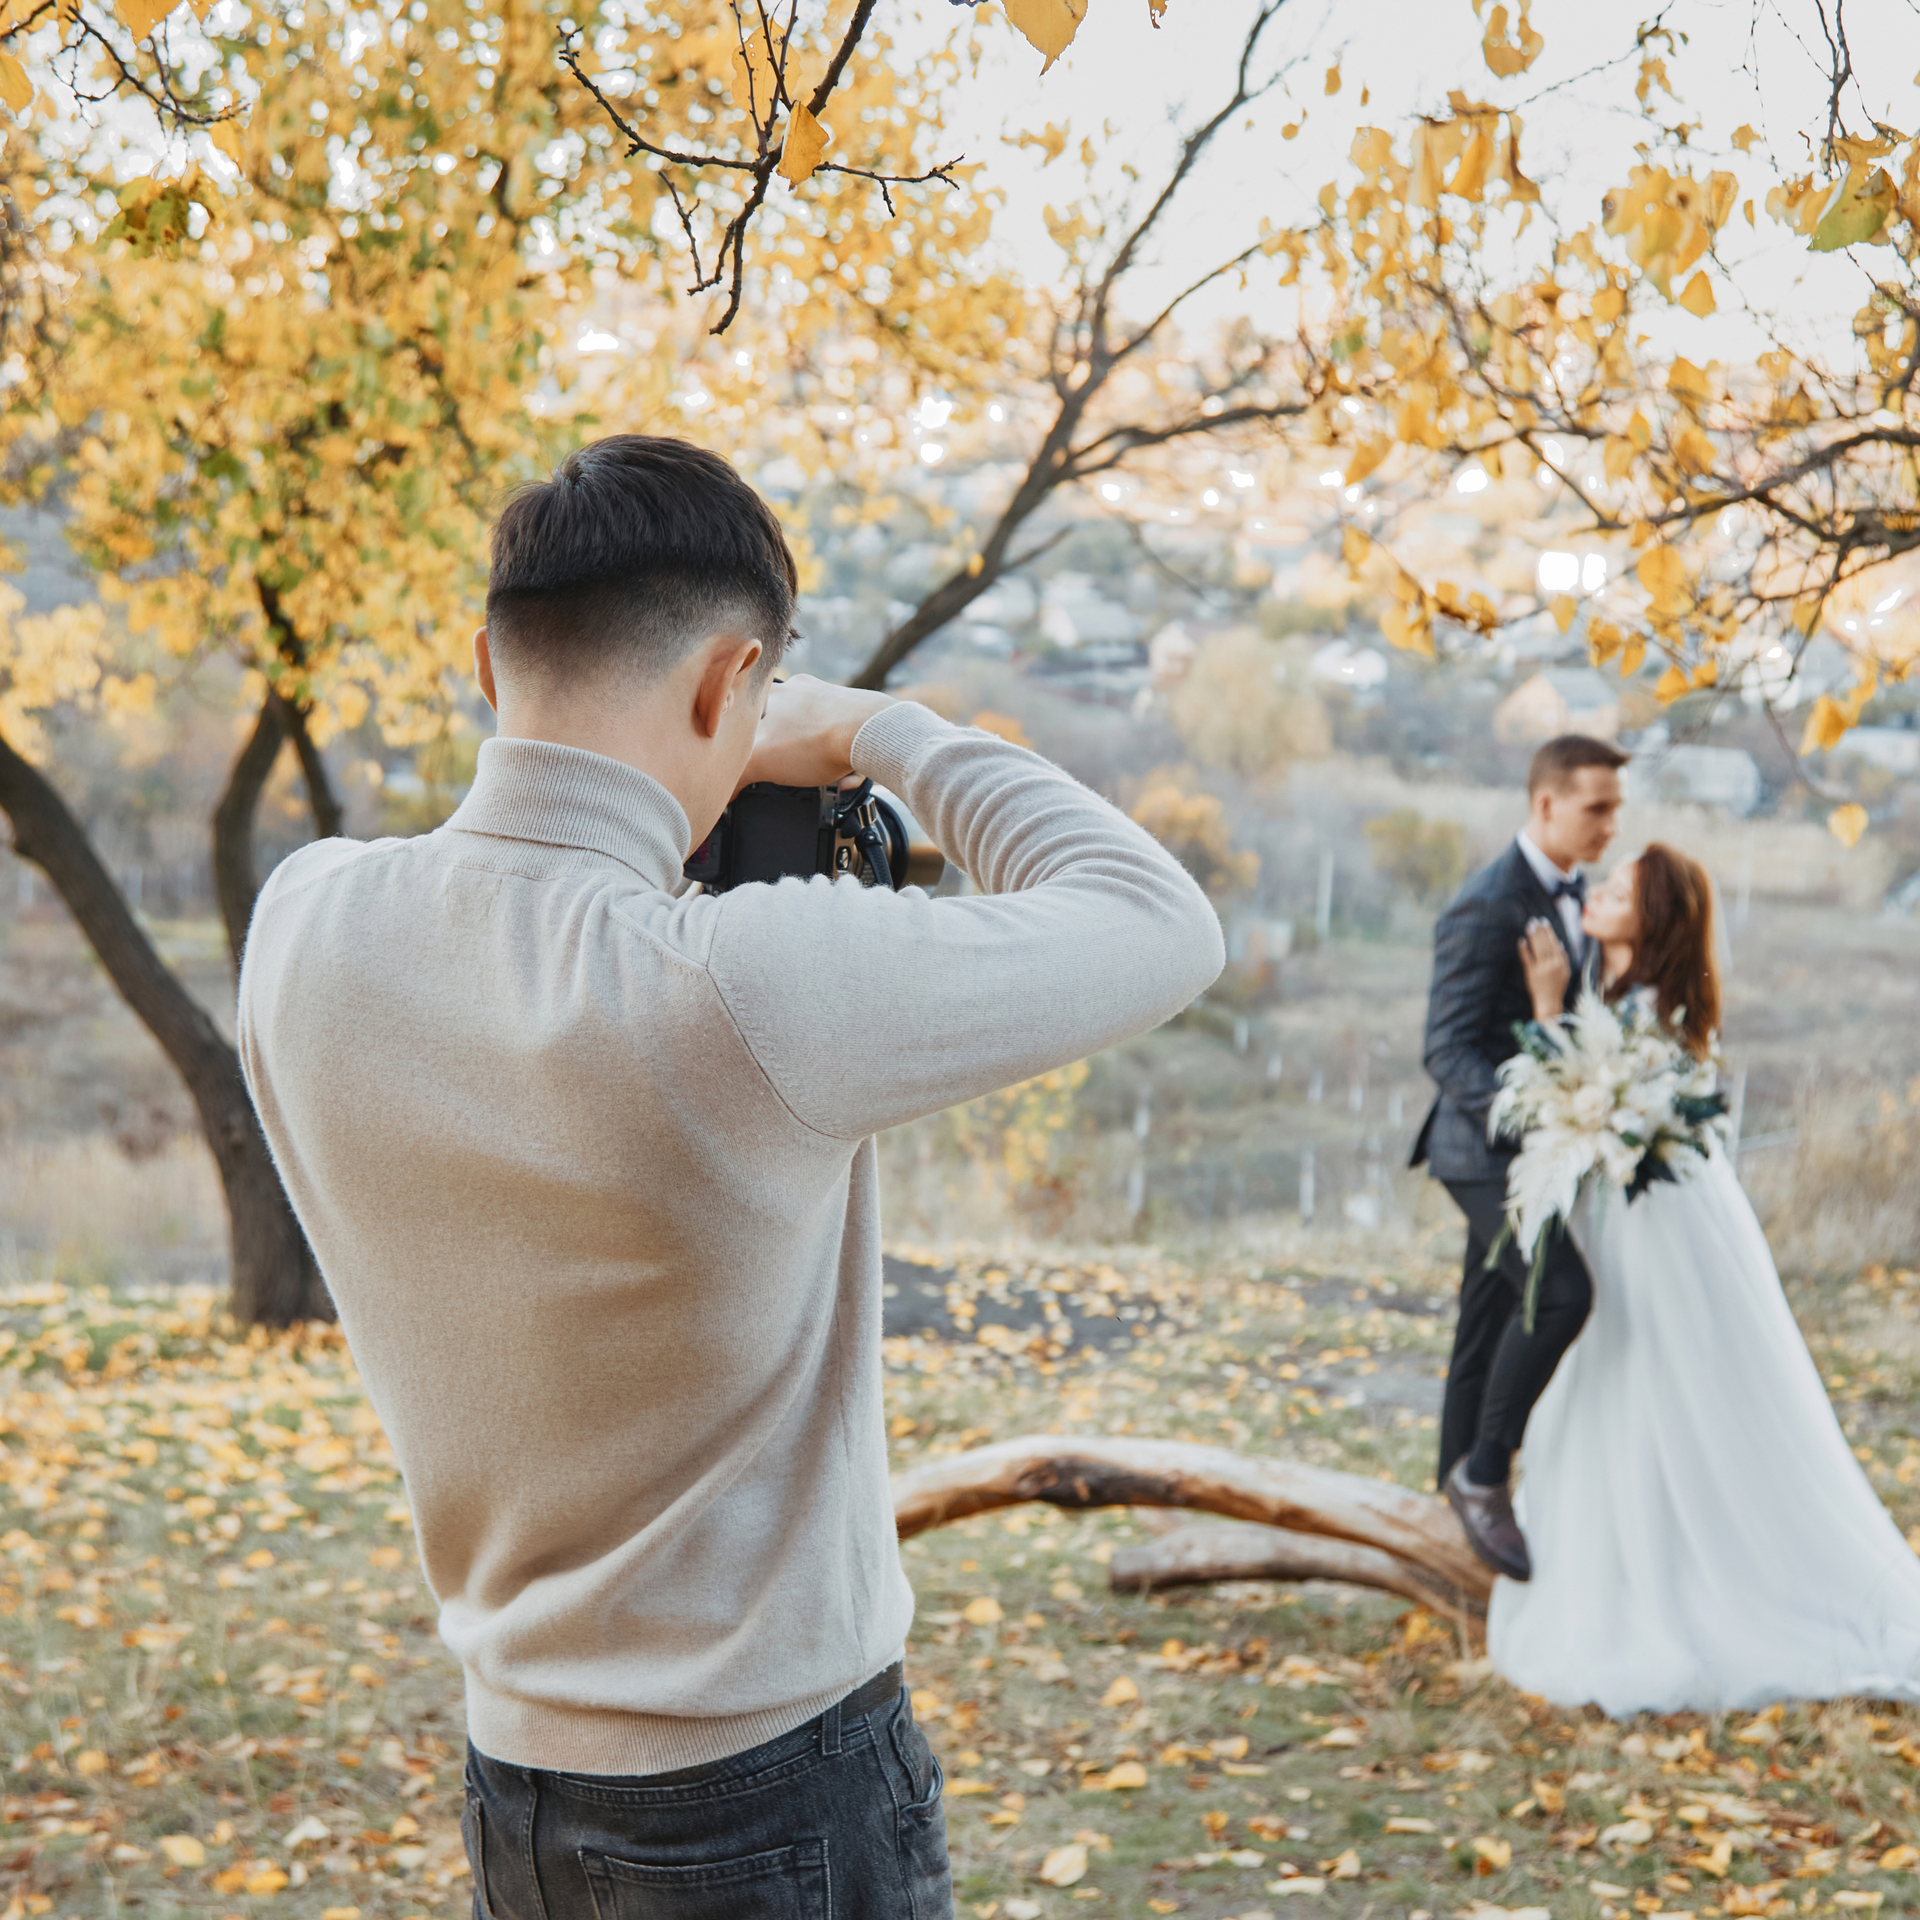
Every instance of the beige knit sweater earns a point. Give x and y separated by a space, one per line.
587 1164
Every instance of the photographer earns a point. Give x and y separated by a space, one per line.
587 1162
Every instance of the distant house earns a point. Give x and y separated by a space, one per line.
1726 777
1892 749
1558 700
1074 612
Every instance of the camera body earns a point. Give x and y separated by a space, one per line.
770 832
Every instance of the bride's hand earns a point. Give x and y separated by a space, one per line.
1548 970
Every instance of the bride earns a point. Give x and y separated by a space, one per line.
1702 1535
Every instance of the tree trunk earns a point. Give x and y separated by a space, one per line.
236 883
236 877
1417 1530
1206 1553
329 821
274 1279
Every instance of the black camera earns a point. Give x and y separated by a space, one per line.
770 832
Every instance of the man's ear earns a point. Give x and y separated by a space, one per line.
726 676
483 668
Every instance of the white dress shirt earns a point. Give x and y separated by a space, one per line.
1550 876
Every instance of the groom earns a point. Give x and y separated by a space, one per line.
1479 994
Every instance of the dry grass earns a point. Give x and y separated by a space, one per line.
96 1211
1846 1193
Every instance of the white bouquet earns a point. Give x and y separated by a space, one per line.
1607 1094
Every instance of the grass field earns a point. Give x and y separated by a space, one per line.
222 1693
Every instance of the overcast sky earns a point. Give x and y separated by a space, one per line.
1756 62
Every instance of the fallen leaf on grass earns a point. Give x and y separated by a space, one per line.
984 1612
1127 1775
1341 1737
1064 1865
1494 1856
1304 1883
1121 1693
1347 1867
1898 1859
183 1850
1852 1897
1627 1833
959 1789
1403 1823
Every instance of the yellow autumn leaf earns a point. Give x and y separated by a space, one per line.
983 1612
1664 575
1064 1865
804 147
92 1761
227 136
1508 57
1848 823
1047 25
1333 78
1122 1693
183 1850
1563 607
1347 1867
140 17
1366 457
15 88
1632 656
264 1880
1698 298
1745 138
1498 1854
1826 726
1604 640
1124 1778
753 86
1670 686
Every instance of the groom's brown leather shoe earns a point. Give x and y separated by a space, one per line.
1486 1513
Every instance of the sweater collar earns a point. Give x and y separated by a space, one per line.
566 797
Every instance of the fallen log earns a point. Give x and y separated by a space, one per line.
1206 1553
1417 1530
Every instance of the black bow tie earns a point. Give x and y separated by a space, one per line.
1576 889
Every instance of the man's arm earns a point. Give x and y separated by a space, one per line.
1470 953
866 1008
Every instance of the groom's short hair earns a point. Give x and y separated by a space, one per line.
1560 759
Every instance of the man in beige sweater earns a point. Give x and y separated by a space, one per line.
587 1160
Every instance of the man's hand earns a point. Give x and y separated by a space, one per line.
805 736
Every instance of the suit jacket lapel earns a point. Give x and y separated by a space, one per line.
1542 905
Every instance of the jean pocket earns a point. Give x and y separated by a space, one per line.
473 1836
788 1883
918 1761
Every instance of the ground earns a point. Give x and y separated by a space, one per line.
222 1693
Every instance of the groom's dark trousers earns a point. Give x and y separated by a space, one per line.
1478 997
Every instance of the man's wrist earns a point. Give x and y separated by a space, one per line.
850 729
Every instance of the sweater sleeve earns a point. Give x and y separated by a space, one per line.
866 1008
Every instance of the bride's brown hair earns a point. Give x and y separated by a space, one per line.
1675 952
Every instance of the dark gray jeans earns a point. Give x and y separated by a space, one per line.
838 1820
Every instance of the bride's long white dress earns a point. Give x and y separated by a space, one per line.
1702 1535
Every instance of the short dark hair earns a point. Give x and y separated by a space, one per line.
636 551
1560 759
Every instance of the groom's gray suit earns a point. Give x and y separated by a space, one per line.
1478 996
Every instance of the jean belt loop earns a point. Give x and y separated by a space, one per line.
830 1731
